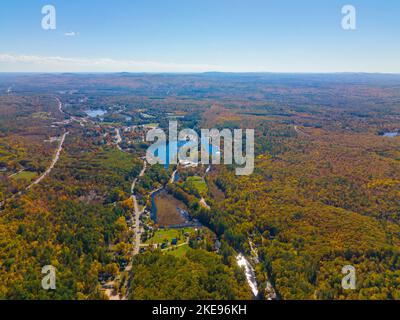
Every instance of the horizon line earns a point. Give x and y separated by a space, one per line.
204 72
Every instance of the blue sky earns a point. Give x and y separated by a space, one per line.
200 35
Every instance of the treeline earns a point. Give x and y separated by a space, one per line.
199 275
74 220
311 210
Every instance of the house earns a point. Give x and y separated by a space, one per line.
217 245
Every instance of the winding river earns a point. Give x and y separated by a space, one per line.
249 272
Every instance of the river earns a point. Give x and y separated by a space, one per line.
269 292
249 272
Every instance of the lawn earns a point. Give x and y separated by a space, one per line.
163 235
198 183
180 251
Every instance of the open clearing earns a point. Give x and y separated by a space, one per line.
167 212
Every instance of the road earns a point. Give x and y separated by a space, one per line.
112 295
136 212
173 176
118 135
118 138
60 107
53 163
81 121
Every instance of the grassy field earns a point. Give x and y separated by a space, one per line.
114 159
163 235
9 153
198 183
25 175
41 115
180 251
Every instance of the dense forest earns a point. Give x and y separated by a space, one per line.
324 193
198 275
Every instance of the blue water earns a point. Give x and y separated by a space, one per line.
163 152
391 134
153 213
93 113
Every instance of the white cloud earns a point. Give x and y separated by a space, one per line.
71 34
34 63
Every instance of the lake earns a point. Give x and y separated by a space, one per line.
163 151
391 134
94 113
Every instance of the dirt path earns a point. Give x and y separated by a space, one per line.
111 293
14 174
177 246
204 203
299 131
